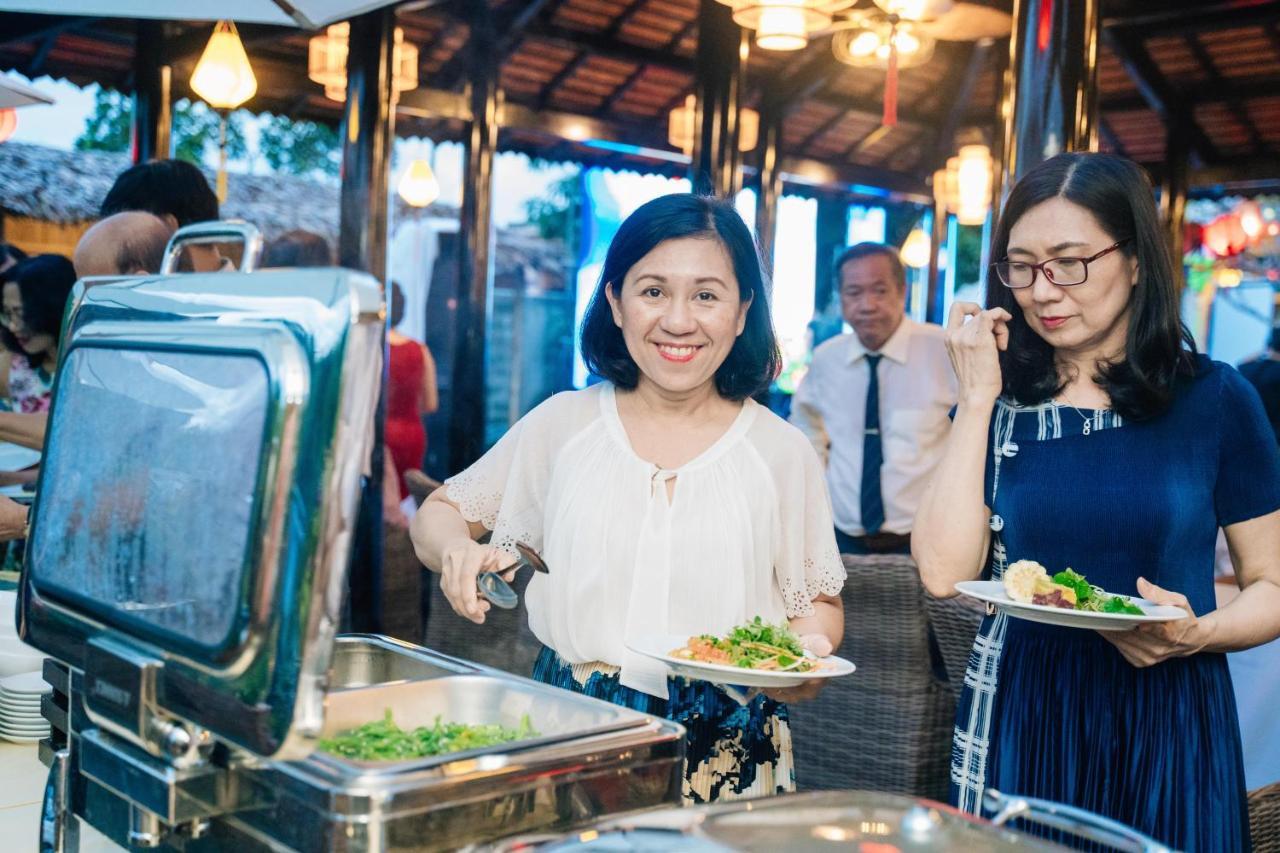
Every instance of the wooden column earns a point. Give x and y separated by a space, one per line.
769 174
1173 195
367 132
720 67
151 99
1051 84
467 417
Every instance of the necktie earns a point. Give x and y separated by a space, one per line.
872 457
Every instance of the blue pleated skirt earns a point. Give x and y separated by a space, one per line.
1156 748
733 751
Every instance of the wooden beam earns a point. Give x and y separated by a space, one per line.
24 29
817 133
1194 94
860 145
1156 91
849 176
957 90
612 48
1169 18
1233 102
1109 136
620 92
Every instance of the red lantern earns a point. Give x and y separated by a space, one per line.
1217 237
1251 219
8 123
1236 231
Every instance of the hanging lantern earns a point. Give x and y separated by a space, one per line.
868 46
915 10
785 24
1250 215
418 186
682 126
1228 277
224 79
327 61
8 123
1217 237
223 76
973 180
915 251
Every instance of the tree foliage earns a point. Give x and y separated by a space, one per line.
299 147
196 131
108 127
558 214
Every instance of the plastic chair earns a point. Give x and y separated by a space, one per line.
888 726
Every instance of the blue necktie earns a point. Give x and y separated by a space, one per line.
872 457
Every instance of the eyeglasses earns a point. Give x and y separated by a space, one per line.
1063 272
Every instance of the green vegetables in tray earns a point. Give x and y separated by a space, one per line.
752 645
383 740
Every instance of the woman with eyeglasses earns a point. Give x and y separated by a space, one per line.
1091 435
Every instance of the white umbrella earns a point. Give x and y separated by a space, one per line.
15 94
310 14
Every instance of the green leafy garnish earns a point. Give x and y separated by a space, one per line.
1076 581
752 645
1120 604
383 740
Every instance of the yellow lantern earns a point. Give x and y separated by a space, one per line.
327 62
785 24
223 77
418 186
915 251
973 180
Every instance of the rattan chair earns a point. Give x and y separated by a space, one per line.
888 726
1264 818
955 623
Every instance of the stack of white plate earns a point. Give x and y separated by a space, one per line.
15 655
20 719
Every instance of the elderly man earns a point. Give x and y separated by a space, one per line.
130 243
875 404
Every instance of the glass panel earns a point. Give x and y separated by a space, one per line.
795 261
147 502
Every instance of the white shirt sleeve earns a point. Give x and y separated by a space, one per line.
506 489
807 563
806 416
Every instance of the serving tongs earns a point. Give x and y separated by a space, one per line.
497 591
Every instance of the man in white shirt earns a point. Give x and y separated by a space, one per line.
875 404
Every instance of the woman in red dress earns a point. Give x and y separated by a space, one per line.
411 393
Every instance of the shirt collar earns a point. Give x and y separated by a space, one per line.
895 349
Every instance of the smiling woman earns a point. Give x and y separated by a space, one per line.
664 499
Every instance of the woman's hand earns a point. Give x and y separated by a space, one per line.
1152 643
463 562
975 338
819 645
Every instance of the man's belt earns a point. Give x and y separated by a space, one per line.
884 543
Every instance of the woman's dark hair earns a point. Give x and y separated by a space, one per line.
297 248
163 187
753 362
44 283
10 252
1159 350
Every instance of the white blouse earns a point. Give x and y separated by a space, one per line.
747 532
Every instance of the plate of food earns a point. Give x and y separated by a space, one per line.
1028 591
753 654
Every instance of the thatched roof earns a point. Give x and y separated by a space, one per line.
64 187
55 185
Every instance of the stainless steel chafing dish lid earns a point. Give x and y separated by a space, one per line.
190 537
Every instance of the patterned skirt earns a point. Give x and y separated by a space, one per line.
733 751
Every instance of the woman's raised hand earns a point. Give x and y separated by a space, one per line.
462 564
975 339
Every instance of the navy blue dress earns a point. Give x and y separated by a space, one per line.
1057 713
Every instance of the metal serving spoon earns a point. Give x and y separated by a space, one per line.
497 591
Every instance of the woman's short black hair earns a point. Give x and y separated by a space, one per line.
44 283
752 364
10 252
1159 350
166 188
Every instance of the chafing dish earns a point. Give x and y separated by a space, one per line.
837 820
186 571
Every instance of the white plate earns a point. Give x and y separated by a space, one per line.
660 647
14 722
992 592
8 706
23 738
24 730
25 683
16 458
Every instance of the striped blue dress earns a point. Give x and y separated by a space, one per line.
1057 713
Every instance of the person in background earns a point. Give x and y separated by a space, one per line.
411 395
297 248
1263 373
9 256
129 243
875 404
178 193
